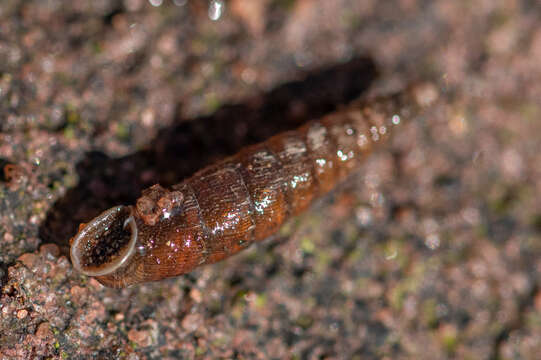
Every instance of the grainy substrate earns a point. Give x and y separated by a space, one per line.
433 251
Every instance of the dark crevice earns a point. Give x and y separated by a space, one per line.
116 10
3 163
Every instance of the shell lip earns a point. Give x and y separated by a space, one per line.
81 243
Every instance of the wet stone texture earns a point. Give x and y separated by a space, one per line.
432 252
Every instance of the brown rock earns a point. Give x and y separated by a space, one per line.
44 331
145 337
21 314
79 295
251 13
49 249
29 260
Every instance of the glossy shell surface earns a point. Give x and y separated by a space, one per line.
245 198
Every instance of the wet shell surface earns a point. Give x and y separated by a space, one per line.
245 198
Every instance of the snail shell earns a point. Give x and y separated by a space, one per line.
225 207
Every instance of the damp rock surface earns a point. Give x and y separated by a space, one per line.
431 252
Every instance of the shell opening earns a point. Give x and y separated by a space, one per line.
105 244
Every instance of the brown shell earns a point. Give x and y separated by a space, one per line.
227 206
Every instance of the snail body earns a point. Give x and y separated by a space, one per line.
243 199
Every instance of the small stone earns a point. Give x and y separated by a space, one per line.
537 301
426 94
28 260
96 311
49 250
44 331
251 13
8 238
140 338
196 295
21 314
95 284
145 337
78 295
192 322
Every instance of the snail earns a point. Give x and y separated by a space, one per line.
245 198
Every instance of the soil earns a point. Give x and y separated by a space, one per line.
433 251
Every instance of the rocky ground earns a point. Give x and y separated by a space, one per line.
433 251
